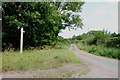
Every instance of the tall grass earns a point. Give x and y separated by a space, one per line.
37 59
100 50
0 63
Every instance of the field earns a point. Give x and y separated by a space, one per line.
37 59
100 50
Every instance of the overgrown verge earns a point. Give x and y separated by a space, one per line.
0 63
100 50
37 59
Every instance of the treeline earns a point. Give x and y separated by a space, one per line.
99 38
99 43
42 21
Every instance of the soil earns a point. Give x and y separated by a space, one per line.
67 71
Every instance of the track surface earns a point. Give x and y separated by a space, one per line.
100 67
92 67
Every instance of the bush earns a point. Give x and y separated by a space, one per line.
100 50
114 42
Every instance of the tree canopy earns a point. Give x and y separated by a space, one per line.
99 38
42 21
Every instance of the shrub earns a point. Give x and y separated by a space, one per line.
100 50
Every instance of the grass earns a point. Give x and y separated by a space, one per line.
37 59
100 50
0 62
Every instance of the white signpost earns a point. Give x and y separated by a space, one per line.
21 40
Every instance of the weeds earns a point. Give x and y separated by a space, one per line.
37 59
100 50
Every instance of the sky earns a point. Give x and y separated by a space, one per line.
96 16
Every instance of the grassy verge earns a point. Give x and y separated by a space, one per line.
37 59
0 63
100 50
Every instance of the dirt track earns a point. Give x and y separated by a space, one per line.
100 67
67 71
92 67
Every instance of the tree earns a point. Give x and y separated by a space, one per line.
95 37
42 21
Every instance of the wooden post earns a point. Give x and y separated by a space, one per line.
21 40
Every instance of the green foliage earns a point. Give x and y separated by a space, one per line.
100 43
42 21
99 38
114 41
76 37
100 50
95 37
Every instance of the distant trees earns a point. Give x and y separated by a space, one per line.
42 21
99 38
76 37
114 41
100 43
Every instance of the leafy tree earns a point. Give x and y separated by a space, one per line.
114 41
42 21
95 37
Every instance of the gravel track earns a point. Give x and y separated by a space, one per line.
91 67
100 67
